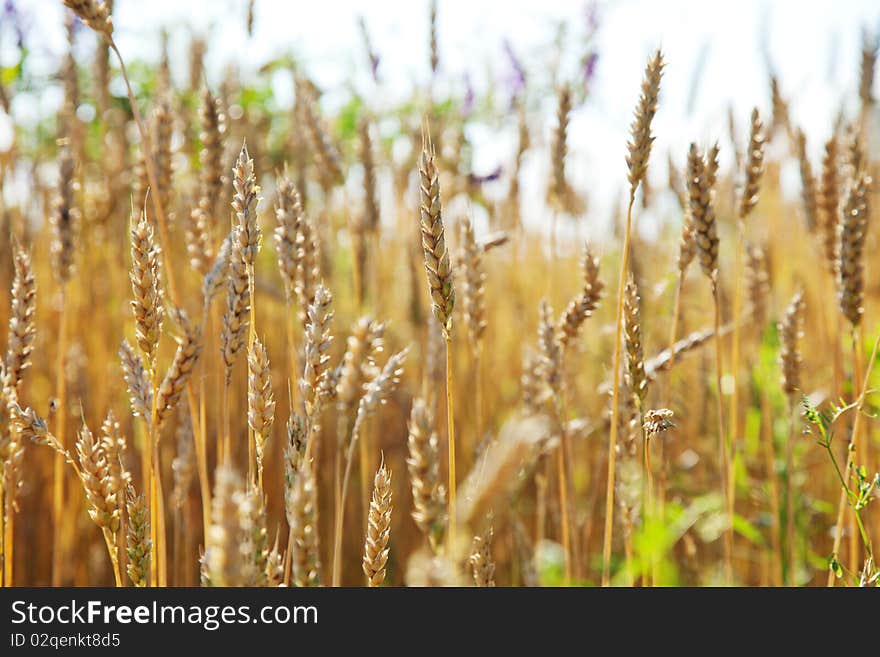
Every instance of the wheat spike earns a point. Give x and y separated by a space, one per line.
136 378
326 154
254 544
303 519
288 216
65 216
808 183
852 234
867 66
22 329
162 130
314 383
219 272
437 265
378 528
423 463
559 189
790 333
583 305
93 13
473 284
189 346
211 178
641 139
101 492
549 348
114 445
754 166
308 271
183 466
480 560
829 201
137 537
358 363
261 399
223 554
636 379
236 319
146 303
701 176
245 199
371 202
757 285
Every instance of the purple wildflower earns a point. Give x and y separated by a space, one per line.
492 176
516 75
467 105
12 15
589 72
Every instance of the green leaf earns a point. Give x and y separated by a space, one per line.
746 529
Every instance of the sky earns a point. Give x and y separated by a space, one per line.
812 44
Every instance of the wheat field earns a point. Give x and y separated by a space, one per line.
252 346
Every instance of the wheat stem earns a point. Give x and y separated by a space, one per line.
615 396
8 511
110 541
61 436
727 487
450 422
770 473
789 495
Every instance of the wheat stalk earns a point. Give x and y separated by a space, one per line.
375 395
639 148
702 175
790 334
440 287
